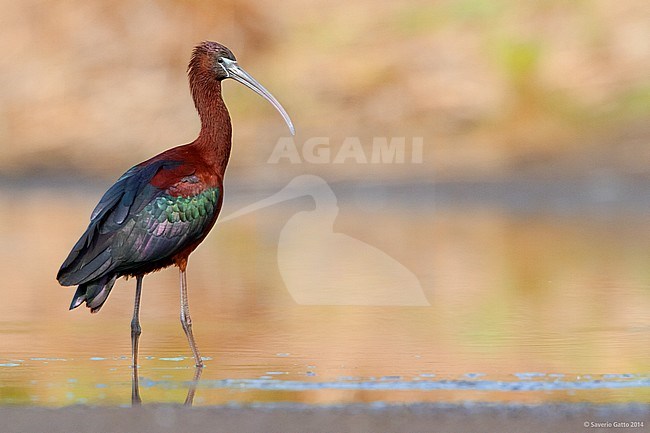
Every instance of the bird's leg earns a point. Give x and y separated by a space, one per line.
186 320
192 389
135 322
135 335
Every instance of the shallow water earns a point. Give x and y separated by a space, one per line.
549 305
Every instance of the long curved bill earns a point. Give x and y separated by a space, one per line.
235 72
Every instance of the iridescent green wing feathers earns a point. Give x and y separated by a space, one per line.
165 226
137 224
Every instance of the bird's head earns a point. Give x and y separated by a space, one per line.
212 61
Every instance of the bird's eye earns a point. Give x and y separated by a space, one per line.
220 60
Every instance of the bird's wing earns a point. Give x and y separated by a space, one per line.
167 224
136 222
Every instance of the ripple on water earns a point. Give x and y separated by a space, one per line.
529 375
47 359
423 385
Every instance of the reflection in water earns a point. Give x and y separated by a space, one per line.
552 305
136 400
192 389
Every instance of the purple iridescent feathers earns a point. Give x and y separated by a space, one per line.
135 226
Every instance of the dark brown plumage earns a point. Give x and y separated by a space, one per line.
160 210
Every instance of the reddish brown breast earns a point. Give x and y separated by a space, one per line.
191 176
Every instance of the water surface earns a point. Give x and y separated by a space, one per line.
524 307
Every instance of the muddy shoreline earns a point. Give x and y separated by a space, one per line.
281 418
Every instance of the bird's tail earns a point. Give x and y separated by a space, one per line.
93 293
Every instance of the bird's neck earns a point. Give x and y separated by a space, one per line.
214 140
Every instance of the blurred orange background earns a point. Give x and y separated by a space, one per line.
505 95
491 86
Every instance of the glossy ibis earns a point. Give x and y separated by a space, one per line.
160 210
